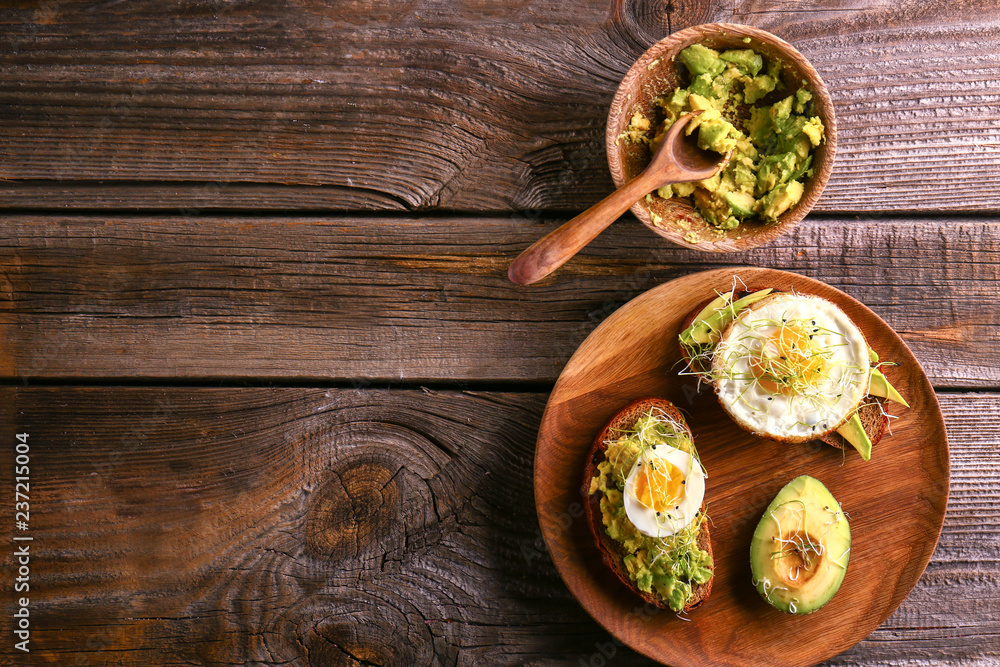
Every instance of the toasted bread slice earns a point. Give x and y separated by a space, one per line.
610 550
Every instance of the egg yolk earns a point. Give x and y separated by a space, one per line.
787 360
659 484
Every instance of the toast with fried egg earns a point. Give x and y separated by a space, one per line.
792 367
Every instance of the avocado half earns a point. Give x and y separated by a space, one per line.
801 548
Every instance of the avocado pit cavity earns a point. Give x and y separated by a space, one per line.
801 548
800 558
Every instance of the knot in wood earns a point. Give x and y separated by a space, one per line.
373 490
643 22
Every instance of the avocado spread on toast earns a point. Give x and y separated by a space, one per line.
670 566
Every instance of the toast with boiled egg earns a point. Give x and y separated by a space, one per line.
789 367
644 501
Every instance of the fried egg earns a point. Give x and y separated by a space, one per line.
791 367
664 491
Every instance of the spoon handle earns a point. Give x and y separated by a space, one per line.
556 248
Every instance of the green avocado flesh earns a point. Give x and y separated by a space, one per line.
716 316
880 387
772 145
669 566
801 548
854 432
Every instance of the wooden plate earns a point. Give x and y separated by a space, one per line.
896 501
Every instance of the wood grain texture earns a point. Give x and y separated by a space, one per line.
426 298
463 106
678 160
313 527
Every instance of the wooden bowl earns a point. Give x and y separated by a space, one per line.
656 73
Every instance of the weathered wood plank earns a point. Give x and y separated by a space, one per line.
426 298
293 526
468 106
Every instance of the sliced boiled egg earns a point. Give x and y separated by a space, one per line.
664 491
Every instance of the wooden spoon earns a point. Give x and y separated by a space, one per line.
676 161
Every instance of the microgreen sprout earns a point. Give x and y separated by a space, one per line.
796 359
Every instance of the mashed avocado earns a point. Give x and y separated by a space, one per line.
772 144
670 566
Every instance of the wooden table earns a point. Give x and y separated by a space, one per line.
281 400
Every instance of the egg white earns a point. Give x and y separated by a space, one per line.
671 521
812 411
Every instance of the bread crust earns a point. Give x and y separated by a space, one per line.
611 553
873 416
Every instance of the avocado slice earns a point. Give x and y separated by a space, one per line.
801 548
854 432
716 316
714 305
880 387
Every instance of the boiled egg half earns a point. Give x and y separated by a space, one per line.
664 491
791 367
